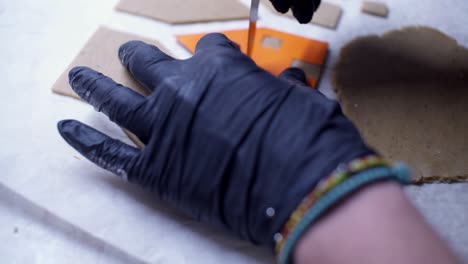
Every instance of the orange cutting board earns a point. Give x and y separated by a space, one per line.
275 51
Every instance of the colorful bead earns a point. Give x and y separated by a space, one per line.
340 174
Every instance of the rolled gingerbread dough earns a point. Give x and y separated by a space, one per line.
407 92
100 54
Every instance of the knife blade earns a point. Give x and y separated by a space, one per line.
252 25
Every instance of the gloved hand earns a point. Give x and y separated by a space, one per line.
303 10
226 141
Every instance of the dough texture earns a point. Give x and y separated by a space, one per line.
407 92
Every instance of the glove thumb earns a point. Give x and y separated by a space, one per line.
294 76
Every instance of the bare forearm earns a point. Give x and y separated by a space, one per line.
376 225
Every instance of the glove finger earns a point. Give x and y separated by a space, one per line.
281 6
106 152
214 40
303 10
142 59
294 76
119 103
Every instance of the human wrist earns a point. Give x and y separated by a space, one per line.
334 230
343 182
376 225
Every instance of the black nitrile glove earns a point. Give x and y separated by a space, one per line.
303 10
226 141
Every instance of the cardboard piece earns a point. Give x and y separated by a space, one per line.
101 54
409 99
311 70
327 15
375 8
275 51
185 11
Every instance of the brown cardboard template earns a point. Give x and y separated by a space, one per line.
101 54
185 11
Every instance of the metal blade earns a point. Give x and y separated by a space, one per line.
252 25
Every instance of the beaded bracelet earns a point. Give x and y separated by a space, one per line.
341 182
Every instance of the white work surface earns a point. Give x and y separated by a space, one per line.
57 207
